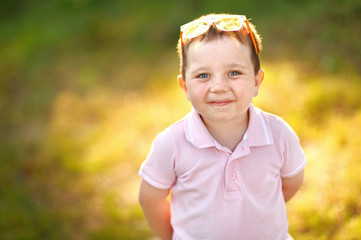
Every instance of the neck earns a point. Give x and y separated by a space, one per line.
228 134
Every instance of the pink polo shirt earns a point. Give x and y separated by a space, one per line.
220 194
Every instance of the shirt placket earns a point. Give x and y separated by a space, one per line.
232 177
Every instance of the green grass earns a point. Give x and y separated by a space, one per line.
83 179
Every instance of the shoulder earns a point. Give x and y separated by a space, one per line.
287 141
159 167
278 125
169 137
176 131
282 133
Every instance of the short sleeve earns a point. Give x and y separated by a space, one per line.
294 156
158 168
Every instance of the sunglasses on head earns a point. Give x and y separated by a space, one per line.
227 23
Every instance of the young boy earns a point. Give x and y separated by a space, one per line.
231 167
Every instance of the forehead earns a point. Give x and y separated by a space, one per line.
216 51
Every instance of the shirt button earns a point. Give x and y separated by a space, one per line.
232 176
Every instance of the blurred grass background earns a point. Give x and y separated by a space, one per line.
85 85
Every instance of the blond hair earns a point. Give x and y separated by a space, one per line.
214 33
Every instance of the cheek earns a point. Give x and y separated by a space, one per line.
244 91
196 93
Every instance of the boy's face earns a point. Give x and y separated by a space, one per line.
220 80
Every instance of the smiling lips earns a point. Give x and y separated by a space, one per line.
220 103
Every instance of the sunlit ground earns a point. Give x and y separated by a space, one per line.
85 180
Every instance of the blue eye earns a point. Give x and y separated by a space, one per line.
234 73
204 75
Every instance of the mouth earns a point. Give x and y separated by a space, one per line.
220 103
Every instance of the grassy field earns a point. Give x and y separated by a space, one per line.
83 181
87 85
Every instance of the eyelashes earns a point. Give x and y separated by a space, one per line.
207 76
234 73
203 76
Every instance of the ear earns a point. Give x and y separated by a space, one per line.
182 83
258 81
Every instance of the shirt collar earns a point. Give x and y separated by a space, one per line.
257 134
196 132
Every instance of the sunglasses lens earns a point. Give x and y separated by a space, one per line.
195 29
230 23
225 23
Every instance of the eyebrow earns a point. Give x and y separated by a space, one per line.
199 69
237 65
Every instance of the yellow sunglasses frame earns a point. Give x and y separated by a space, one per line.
215 18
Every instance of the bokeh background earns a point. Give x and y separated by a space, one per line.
85 86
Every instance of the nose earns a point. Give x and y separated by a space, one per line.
218 84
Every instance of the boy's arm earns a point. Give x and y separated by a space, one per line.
291 185
156 209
